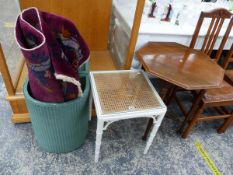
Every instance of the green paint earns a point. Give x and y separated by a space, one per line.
60 127
231 6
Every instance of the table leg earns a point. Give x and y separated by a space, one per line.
168 95
196 101
99 132
225 125
156 124
90 106
193 121
172 95
164 96
149 125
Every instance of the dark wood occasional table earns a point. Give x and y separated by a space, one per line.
182 66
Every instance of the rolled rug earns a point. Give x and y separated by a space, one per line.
53 50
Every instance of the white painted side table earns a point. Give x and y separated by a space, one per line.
124 94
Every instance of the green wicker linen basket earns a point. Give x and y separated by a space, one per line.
60 127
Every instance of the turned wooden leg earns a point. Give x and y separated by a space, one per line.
180 105
169 95
172 95
148 128
193 120
225 125
196 101
163 93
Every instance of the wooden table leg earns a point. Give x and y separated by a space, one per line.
171 95
165 96
193 120
149 125
196 101
225 125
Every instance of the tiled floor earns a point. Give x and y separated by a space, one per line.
122 147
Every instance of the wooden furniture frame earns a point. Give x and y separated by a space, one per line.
217 17
229 58
225 125
227 61
134 33
229 79
198 117
15 98
127 96
225 114
181 66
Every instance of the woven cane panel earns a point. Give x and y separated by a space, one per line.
123 92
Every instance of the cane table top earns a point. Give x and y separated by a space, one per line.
124 91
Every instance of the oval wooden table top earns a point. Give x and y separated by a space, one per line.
187 68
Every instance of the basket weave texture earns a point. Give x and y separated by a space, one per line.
123 92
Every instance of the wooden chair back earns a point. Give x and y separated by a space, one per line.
217 17
229 58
